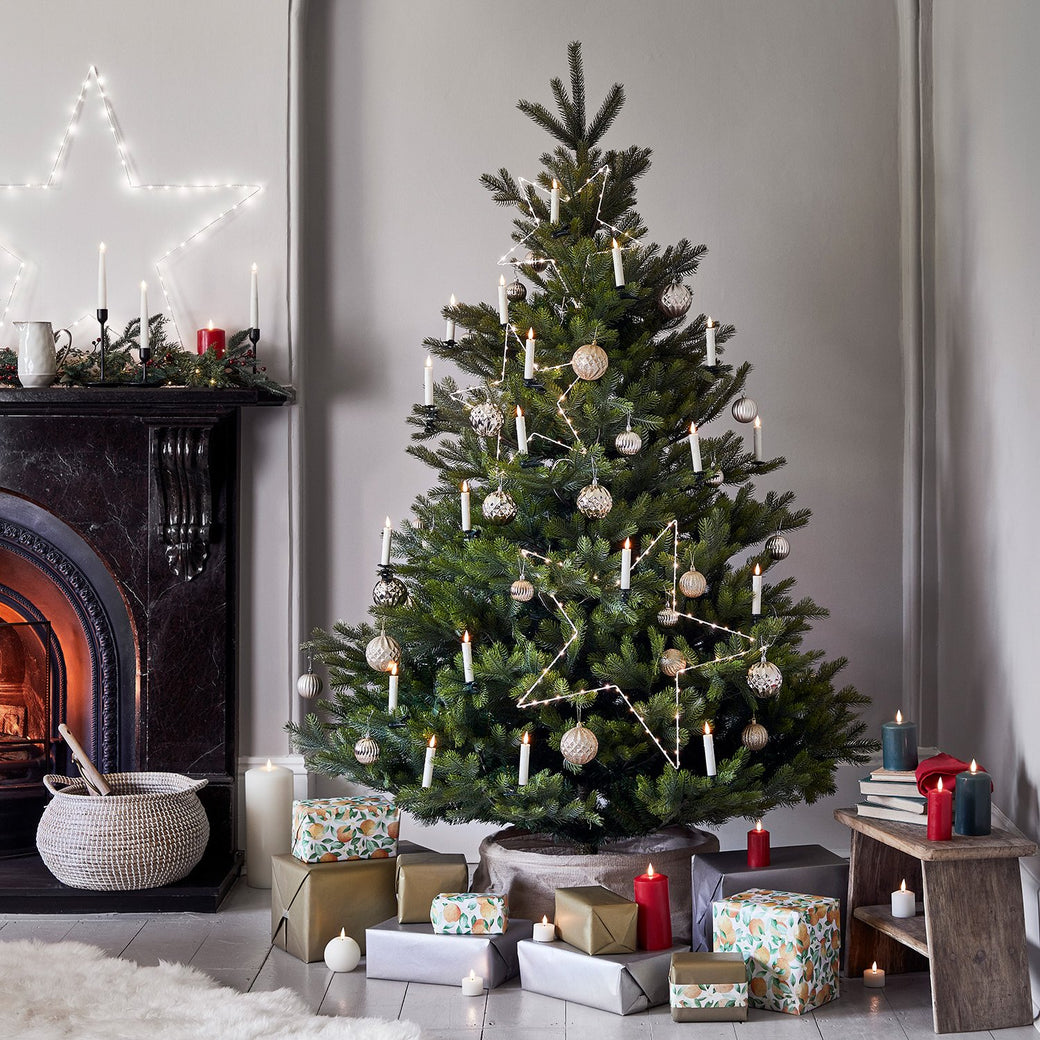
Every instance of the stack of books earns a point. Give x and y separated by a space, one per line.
892 795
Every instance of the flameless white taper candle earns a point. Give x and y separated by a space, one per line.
529 355
695 449
709 751
756 591
554 203
254 299
525 760
709 343
467 524
449 328
521 431
758 438
619 265
431 751
467 657
102 278
144 316
626 565
384 556
391 693
428 381
503 301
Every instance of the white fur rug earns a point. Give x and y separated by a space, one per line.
55 991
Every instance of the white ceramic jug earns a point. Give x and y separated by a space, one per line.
37 358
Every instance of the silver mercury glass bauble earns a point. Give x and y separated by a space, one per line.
382 651
628 442
744 409
668 616
579 745
366 750
692 583
674 300
516 292
389 592
764 678
672 663
535 262
755 736
499 507
594 501
486 419
714 478
778 546
309 685
589 362
521 590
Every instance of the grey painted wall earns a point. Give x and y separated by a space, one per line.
774 129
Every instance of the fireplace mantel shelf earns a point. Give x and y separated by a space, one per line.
131 400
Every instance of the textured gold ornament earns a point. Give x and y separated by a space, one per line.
755 736
672 663
668 616
744 409
486 419
366 750
499 507
309 685
382 652
628 442
764 678
521 590
590 362
692 583
579 745
674 300
594 501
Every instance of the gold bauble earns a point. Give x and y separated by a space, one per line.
755 736
672 663
579 745
692 583
589 362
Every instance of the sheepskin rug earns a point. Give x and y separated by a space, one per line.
55 991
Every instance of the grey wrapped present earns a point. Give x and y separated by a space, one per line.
622 983
806 869
413 953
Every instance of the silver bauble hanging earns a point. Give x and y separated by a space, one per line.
744 409
668 616
674 300
589 361
486 418
714 478
389 592
628 442
594 501
778 546
366 750
499 507
755 736
764 678
521 590
382 651
672 663
579 745
309 685
535 262
692 583
516 292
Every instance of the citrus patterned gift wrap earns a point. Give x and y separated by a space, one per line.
720 995
330 829
469 913
790 942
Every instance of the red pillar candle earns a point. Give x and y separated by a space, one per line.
758 846
940 813
211 337
654 927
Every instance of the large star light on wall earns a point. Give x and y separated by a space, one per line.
50 229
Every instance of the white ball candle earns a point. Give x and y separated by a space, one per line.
431 752
467 523
695 449
529 355
449 328
756 591
544 930
626 565
709 343
709 752
428 381
554 203
503 301
269 798
874 977
473 985
904 902
467 656
521 432
144 316
391 693
342 953
387 536
254 299
525 760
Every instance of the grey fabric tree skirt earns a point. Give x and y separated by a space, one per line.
530 867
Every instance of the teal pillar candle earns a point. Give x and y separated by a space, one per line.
973 812
899 744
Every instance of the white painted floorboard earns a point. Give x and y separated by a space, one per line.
234 947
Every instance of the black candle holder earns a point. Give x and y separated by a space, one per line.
102 317
385 571
429 412
254 338
533 384
472 533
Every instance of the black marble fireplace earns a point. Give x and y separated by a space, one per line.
118 555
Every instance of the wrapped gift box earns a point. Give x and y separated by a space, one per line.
808 869
708 987
469 913
421 876
330 829
595 920
311 902
621 983
791 944
415 953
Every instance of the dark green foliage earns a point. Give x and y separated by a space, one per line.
657 379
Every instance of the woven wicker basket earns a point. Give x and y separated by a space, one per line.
150 831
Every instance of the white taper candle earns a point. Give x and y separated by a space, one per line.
102 278
521 431
709 752
695 449
384 556
525 760
467 657
467 525
391 693
709 343
529 354
428 381
427 773
254 299
449 328
619 265
144 316
626 565
758 438
503 301
554 203
756 591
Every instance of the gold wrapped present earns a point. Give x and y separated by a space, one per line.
596 920
421 877
311 902
708 987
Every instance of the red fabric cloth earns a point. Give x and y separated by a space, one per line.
946 766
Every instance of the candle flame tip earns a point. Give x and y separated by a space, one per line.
342 931
144 285
758 569
758 825
102 247
465 636
254 268
707 728
433 740
501 279
650 870
269 766
902 885
899 716
452 302
545 920
974 766
940 787
527 737
393 668
873 966
465 485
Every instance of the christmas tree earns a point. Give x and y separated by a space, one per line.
579 632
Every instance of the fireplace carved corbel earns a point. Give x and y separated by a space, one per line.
180 462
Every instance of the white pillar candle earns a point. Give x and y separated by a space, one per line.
269 798
391 693
554 203
254 299
709 752
384 557
467 657
695 449
427 773
619 266
144 315
709 343
473 985
521 432
503 301
626 565
428 381
525 760
449 328
758 438
904 902
874 977
756 590
544 930
467 524
102 279
529 355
